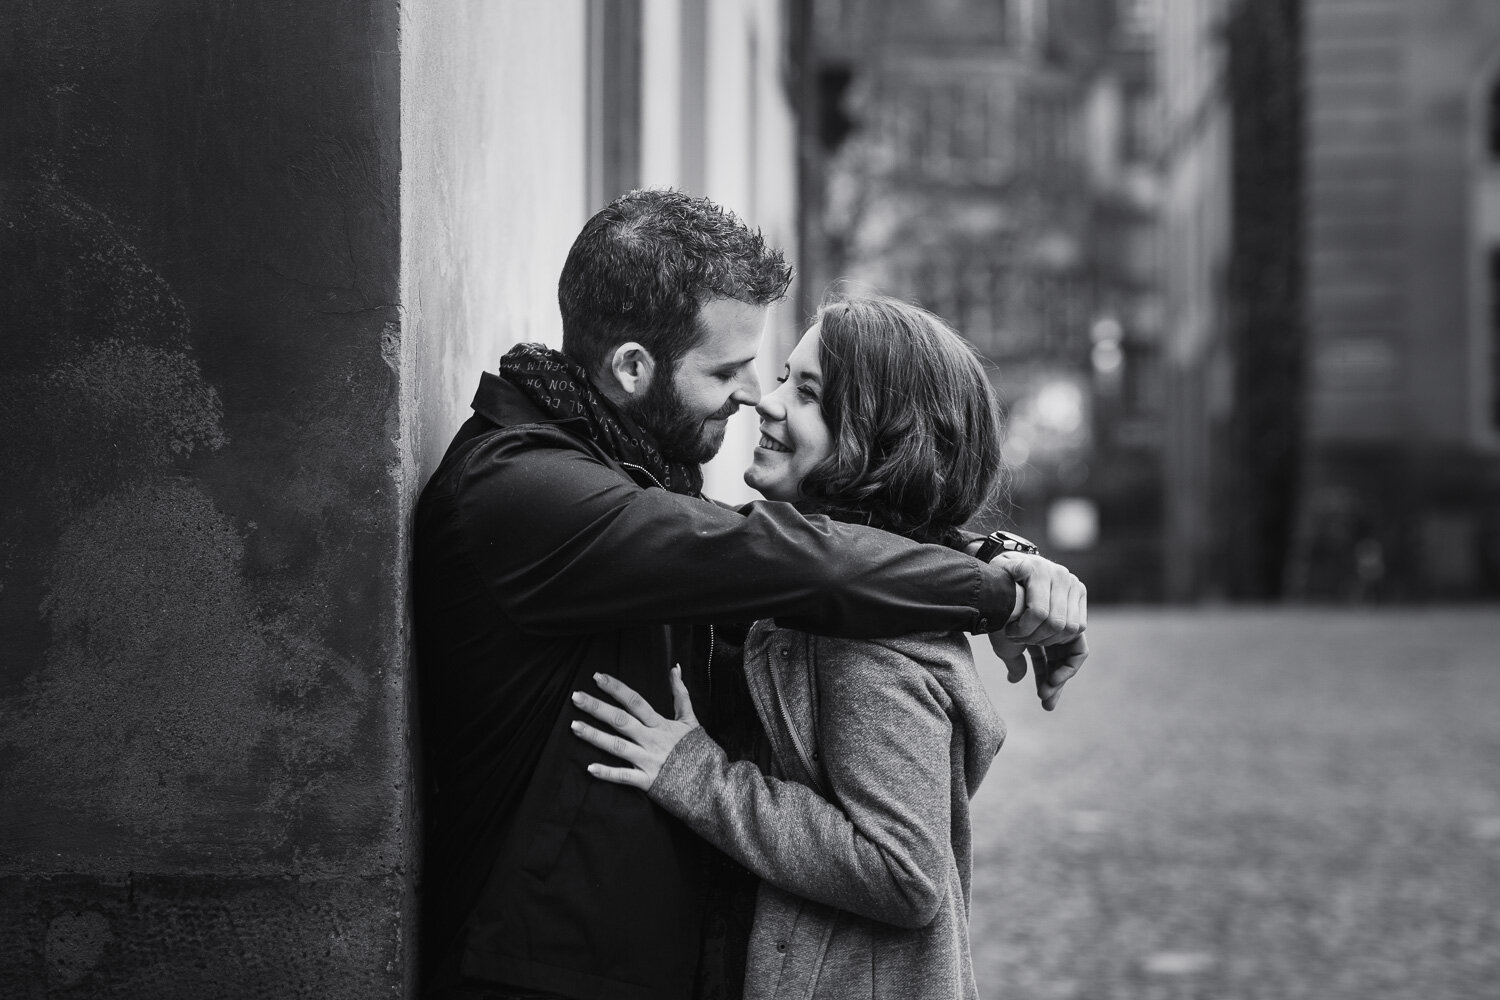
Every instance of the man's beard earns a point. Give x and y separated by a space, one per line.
662 414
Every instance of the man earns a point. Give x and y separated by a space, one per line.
563 536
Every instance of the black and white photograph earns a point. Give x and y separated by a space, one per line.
750 500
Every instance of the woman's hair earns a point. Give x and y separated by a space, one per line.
914 421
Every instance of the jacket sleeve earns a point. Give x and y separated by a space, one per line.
880 852
566 545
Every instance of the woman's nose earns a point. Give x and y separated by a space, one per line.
770 407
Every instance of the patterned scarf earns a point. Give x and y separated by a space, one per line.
561 389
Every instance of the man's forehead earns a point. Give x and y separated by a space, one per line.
729 332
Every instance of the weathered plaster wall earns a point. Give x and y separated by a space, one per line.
201 508
493 189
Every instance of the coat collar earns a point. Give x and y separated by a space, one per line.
503 405
506 406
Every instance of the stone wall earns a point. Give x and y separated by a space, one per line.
201 568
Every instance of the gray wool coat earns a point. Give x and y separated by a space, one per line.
861 836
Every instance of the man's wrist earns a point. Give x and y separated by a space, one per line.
1000 600
988 548
968 542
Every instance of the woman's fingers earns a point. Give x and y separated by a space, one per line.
609 743
626 695
645 738
621 776
682 702
611 715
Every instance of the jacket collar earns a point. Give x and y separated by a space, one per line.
504 405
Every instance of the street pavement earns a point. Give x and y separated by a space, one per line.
1248 804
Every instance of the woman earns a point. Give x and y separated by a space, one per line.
861 832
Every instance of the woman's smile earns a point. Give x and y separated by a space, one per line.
771 444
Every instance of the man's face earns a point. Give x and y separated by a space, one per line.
686 412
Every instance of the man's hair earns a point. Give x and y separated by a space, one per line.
914 421
643 266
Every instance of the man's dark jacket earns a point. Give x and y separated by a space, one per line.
539 560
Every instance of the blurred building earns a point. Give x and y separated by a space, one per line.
992 161
1194 155
1332 342
1402 472
1231 153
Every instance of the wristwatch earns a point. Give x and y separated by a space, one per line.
997 542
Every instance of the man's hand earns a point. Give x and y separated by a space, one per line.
1050 626
1053 666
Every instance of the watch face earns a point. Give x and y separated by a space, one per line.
1011 542
1005 541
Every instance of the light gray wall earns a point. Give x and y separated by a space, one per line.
493 188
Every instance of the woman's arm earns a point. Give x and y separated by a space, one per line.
880 853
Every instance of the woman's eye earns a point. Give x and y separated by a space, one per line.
780 379
807 393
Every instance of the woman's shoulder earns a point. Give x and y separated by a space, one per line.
922 648
944 656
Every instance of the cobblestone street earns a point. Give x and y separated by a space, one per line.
1249 804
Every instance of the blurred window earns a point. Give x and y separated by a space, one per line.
1494 120
614 100
1494 359
835 121
1140 122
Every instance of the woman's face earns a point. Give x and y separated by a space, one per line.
793 434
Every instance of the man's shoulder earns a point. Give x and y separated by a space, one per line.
520 438
489 451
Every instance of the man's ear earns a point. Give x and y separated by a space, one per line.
631 367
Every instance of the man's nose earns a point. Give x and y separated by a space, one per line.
748 391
